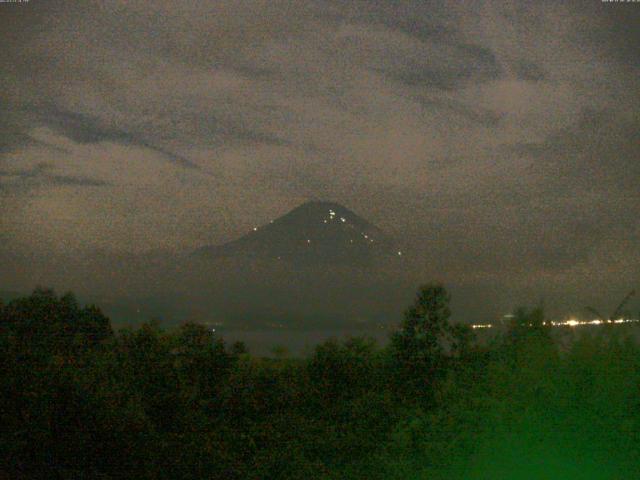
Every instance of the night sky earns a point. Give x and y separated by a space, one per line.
498 141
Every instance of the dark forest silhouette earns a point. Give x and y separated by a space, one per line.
79 400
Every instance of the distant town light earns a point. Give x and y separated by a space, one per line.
399 253
572 322
255 229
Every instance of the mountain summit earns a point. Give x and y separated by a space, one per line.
314 232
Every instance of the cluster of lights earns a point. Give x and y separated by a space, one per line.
572 322
482 325
332 216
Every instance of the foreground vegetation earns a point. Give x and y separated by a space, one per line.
81 401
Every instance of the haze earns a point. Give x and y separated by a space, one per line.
497 142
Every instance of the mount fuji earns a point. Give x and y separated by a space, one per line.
313 233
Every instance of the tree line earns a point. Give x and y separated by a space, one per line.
80 400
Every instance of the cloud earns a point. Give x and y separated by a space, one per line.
41 175
85 129
490 134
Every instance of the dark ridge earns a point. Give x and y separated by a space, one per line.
315 232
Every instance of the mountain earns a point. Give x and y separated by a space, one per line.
312 233
318 266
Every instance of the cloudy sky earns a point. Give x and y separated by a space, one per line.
499 140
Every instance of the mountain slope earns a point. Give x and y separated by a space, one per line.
314 232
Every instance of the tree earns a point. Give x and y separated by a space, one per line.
418 347
462 337
239 348
527 324
201 361
343 369
47 344
44 324
280 352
